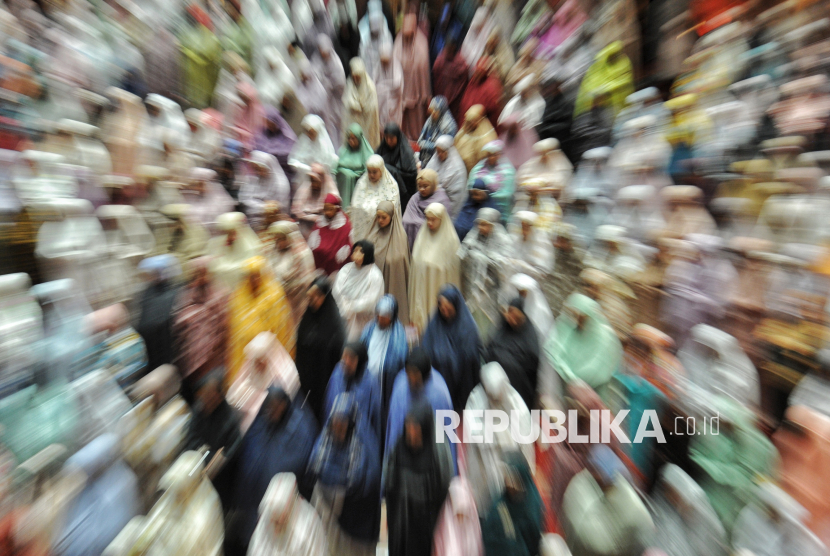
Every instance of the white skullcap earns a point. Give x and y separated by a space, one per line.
444 142
42 157
259 346
599 153
546 145
230 221
202 174
494 380
641 123
643 95
527 216
638 193
610 233
525 83
493 147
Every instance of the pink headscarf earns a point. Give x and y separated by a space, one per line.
519 148
250 117
458 532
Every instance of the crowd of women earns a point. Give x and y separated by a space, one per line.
270 241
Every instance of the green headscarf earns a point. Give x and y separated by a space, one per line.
592 354
616 79
352 163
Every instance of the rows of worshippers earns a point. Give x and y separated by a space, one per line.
347 230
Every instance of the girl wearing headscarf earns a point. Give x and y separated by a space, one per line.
360 103
513 525
389 83
345 465
330 71
155 323
452 342
476 132
203 139
276 138
500 52
351 163
248 119
452 174
375 35
476 39
498 173
585 346
515 346
484 461
373 187
280 441
266 183
416 482
257 305
231 250
458 530
207 199
412 51
392 254
399 159
484 89
313 95
439 122
387 349
309 200
531 248
331 239
313 146
267 364
320 339
527 104
435 263
357 288
536 306
450 74
518 140
200 323
610 73
350 377
291 263
484 256
428 193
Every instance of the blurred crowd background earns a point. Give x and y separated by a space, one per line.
248 247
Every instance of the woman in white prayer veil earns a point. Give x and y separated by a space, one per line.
330 71
374 35
266 183
202 140
527 103
274 78
271 25
313 146
165 123
452 173
684 522
484 470
389 84
288 525
237 244
532 248
715 364
473 46
536 306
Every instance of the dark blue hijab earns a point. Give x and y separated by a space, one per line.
454 347
466 219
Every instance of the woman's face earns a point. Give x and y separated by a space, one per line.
493 159
384 322
272 127
433 113
514 317
374 174
339 429
526 229
315 298
478 195
433 222
442 154
262 171
311 133
391 140
316 182
255 280
330 210
484 228
446 309
354 142
357 78
349 360
281 242
414 435
383 219
426 188
357 257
